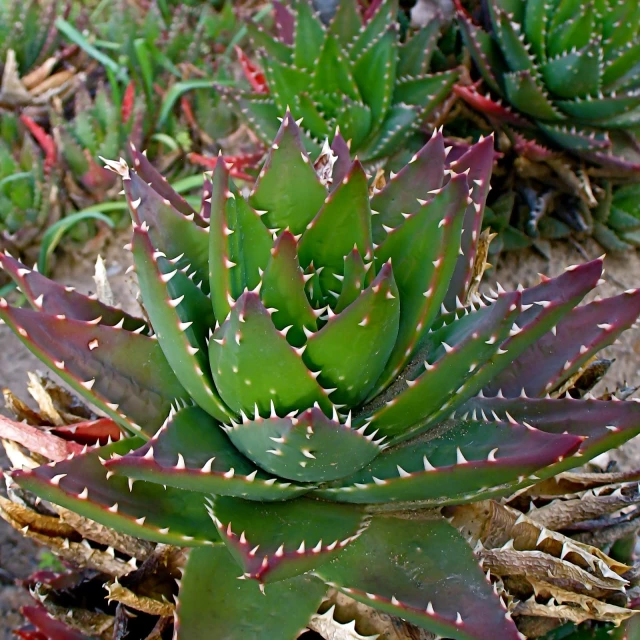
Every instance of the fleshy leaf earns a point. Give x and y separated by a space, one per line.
144 510
287 189
125 374
239 243
160 185
283 290
605 424
308 448
181 344
171 232
452 467
49 296
455 351
246 338
344 221
237 609
192 452
424 252
354 279
374 70
373 319
279 540
479 162
576 339
423 174
423 571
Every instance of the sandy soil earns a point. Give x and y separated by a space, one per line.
18 557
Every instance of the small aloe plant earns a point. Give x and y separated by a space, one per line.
27 186
99 127
354 74
314 380
569 69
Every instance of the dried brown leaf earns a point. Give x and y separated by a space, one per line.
497 526
129 545
369 621
592 504
138 602
37 440
539 566
480 264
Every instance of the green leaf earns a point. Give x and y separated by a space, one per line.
415 54
355 277
467 457
574 73
332 71
507 32
143 510
285 82
374 71
246 338
535 27
275 49
171 232
237 609
421 570
283 290
287 189
346 23
424 252
192 452
181 344
414 182
526 94
343 222
307 448
309 35
278 540
373 319
239 243
454 354
260 112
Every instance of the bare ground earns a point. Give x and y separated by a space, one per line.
18 557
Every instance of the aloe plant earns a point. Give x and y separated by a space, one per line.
354 74
27 187
99 126
568 69
314 380
28 29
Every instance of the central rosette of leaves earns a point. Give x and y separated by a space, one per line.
311 303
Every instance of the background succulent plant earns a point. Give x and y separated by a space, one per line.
315 364
355 73
568 68
28 189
